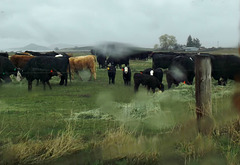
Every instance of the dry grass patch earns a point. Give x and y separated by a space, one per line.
121 143
37 151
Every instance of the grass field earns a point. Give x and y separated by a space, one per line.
92 122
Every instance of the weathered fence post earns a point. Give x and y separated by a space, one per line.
203 93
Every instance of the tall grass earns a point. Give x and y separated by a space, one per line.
36 151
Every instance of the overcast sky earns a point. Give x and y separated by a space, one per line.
136 22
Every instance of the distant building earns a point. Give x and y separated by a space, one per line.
190 49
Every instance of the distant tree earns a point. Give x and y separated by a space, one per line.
156 46
193 42
56 49
196 42
167 41
189 41
178 47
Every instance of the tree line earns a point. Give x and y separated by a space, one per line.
169 42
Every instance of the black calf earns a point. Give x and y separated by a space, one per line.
127 75
150 81
111 74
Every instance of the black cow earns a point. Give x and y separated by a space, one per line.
59 64
34 53
111 74
225 67
114 60
101 59
50 54
164 59
173 78
44 75
140 55
150 81
181 70
160 60
5 54
127 75
158 73
148 71
7 69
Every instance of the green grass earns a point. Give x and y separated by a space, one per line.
144 127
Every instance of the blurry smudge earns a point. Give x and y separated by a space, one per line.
115 49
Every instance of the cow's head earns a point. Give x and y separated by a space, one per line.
125 69
54 72
18 74
151 72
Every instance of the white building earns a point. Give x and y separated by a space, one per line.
190 49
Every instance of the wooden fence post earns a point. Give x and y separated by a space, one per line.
203 82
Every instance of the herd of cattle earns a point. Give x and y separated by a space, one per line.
178 67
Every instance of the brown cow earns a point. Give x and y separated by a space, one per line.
83 62
20 61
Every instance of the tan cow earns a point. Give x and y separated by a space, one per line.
20 61
83 62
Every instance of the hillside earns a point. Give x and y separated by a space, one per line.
32 47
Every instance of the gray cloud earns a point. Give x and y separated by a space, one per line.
136 22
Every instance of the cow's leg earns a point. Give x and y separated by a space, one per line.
94 75
44 85
62 80
219 82
161 87
113 80
148 88
37 82
90 78
72 74
65 77
153 90
169 84
49 84
93 72
29 85
136 86
79 75
224 82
